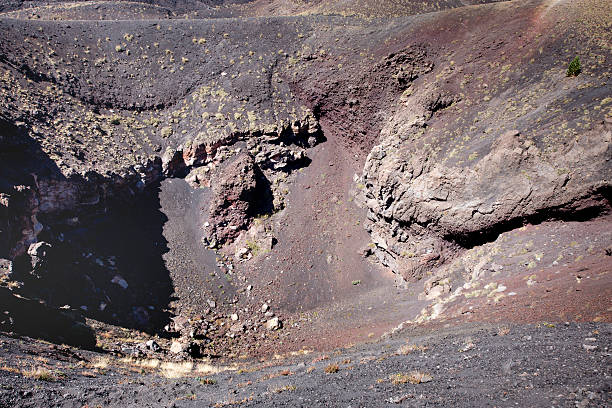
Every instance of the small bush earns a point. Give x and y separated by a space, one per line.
278 390
574 67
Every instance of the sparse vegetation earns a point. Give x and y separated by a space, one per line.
107 116
574 67
253 246
411 348
166 132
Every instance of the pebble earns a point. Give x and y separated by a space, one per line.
118 280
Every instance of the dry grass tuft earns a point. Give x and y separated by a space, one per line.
176 370
319 358
278 390
204 368
89 374
101 363
9 369
206 381
276 375
411 348
413 377
39 373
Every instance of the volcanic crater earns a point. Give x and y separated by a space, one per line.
305 203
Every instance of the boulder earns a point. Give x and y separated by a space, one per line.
237 328
187 346
273 324
180 323
38 252
118 280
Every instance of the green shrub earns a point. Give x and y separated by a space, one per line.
574 67
253 246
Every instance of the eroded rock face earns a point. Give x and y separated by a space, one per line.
423 208
512 180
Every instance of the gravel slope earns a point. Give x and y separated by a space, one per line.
564 365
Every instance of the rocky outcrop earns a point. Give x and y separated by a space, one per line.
244 171
424 209
38 253
273 147
234 199
358 105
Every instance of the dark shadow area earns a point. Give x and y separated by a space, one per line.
20 159
30 318
303 138
261 199
110 264
103 261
